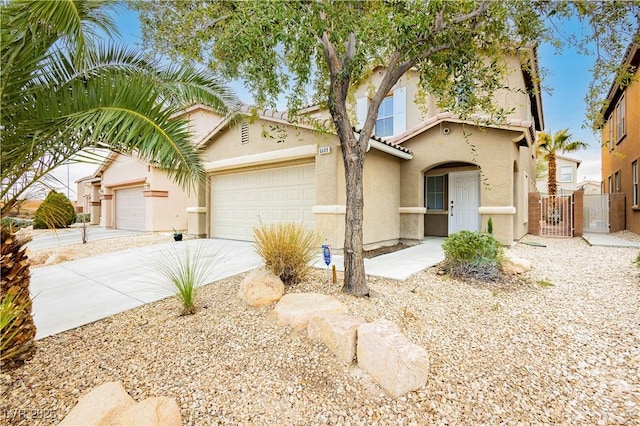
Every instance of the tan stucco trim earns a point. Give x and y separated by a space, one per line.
196 209
132 182
329 209
280 155
497 210
155 193
414 210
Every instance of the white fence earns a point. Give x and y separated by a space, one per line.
596 213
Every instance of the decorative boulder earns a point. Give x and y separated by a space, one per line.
261 287
109 404
396 364
516 265
96 405
161 411
295 309
338 332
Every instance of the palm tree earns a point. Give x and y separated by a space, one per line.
550 146
63 92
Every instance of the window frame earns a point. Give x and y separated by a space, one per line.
611 141
441 193
635 185
561 180
621 125
380 118
617 181
610 184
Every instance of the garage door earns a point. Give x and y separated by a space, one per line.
241 200
130 211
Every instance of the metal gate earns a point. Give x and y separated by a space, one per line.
596 213
556 215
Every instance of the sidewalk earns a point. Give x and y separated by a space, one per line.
79 292
608 240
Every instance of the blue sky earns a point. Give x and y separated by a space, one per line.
568 77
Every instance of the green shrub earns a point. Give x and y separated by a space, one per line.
56 211
83 218
490 226
287 249
473 255
15 223
638 260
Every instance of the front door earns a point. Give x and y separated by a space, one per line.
464 200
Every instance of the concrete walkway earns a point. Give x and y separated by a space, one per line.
79 292
608 240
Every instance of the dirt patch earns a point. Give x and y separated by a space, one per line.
385 250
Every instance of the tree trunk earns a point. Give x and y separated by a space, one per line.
552 185
354 278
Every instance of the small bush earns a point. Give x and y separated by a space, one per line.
287 249
56 211
183 273
14 224
473 255
490 226
83 218
638 260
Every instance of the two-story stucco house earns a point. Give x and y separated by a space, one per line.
427 172
621 142
566 176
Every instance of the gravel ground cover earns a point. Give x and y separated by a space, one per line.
562 347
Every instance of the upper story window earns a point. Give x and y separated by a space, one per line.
384 123
611 141
392 117
621 129
566 174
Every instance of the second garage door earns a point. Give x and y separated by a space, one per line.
130 209
241 200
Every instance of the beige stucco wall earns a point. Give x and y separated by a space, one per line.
165 201
201 122
496 155
278 144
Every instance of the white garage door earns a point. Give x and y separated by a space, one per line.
241 200
130 209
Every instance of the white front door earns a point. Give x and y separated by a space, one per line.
464 200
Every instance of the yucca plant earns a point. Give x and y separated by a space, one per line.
287 249
182 272
17 329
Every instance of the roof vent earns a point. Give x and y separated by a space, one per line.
244 132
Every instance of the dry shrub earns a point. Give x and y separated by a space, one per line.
287 249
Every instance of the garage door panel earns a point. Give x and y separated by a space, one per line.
130 209
241 200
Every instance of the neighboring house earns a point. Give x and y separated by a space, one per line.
566 176
426 173
621 142
590 187
88 201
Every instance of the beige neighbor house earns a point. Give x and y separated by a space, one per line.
427 172
566 176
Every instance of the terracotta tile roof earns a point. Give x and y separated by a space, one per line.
386 142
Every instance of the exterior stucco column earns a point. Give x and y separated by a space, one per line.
197 212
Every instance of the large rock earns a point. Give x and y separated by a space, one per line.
516 265
109 404
295 309
261 287
338 332
395 363
161 411
96 405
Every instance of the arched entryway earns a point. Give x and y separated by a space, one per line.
451 198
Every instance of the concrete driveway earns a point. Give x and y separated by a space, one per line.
64 237
71 294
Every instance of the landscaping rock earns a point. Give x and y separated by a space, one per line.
295 309
109 404
261 287
338 332
160 411
94 407
516 265
396 364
